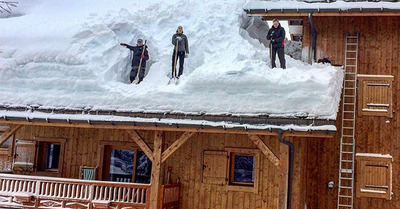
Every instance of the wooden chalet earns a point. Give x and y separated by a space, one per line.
361 161
79 158
59 161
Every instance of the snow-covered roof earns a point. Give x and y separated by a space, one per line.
318 6
66 55
300 125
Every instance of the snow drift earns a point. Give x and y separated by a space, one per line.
67 54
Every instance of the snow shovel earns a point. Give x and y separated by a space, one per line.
173 76
141 59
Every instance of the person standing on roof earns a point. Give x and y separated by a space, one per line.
179 40
277 36
139 58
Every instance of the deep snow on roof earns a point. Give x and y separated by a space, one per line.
318 5
67 54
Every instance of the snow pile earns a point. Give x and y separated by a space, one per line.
62 53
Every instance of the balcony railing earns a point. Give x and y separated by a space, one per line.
43 192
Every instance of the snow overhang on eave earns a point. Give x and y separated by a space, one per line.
171 120
319 9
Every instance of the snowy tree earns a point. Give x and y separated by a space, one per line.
5 6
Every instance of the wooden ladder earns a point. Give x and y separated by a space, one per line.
347 141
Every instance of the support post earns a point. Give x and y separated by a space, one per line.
156 170
8 133
175 146
283 175
141 143
264 149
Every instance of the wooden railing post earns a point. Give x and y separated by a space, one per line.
37 193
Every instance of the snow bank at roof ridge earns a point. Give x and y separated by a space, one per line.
295 4
62 54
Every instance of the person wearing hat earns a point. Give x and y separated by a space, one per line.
138 56
277 36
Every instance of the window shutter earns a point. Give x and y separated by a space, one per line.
374 175
215 165
375 95
24 157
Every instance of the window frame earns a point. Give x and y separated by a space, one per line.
364 93
104 164
39 159
242 186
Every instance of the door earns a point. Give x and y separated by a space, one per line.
126 164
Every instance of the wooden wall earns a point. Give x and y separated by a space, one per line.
379 52
82 148
378 41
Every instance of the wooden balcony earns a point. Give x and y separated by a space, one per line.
19 191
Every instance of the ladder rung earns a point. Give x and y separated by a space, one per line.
350 51
344 187
350 65
346 111
347 206
351 36
348 136
349 96
351 44
350 81
348 119
348 144
347 161
344 178
345 196
351 58
351 88
348 128
347 152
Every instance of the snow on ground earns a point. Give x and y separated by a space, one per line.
64 53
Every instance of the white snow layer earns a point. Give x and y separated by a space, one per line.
64 53
295 4
161 121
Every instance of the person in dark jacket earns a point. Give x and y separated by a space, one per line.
137 56
183 50
277 36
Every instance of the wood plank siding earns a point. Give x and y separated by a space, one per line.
83 148
379 44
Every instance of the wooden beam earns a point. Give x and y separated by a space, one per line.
174 146
168 128
264 149
141 143
283 176
156 171
8 133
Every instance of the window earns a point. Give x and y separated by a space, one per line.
375 95
235 168
126 164
374 175
242 170
39 155
49 156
